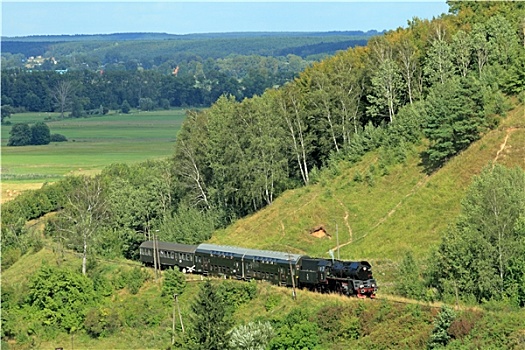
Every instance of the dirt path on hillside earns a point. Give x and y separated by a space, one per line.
503 145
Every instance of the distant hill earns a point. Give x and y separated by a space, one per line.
214 45
165 36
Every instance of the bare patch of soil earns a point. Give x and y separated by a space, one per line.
319 232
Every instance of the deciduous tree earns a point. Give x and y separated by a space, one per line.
84 213
20 135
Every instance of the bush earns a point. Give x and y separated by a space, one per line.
40 134
136 278
102 322
235 294
125 108
58 138
254 336
440 334
174 282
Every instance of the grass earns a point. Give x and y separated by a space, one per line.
405 210
93 143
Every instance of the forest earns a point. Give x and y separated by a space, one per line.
434 88
156 70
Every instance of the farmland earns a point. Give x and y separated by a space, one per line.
93 143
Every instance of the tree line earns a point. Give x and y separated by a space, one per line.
194 84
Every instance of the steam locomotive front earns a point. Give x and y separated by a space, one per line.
359 274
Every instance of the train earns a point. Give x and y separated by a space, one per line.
352 278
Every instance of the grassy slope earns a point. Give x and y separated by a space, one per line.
405 210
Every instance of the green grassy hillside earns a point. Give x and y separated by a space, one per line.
381 216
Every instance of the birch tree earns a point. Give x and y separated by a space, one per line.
62 95
191 167
291 110
85 212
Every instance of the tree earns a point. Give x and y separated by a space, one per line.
252 336
408 282
125 108
210 320
146 104
191 149
386 91
62 95
290 108
439 66
6 111
440 336
20 135
454 118
174 282
84 213
482 255
40 134
408 61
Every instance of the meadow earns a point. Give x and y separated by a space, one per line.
93 143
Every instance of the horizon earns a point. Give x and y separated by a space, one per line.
23 19
190 34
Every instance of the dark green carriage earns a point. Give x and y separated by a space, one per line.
247 264
169 255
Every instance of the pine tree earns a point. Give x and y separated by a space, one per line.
210 321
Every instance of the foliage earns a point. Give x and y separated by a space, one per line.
407 282
299 336
102 321
20 135
57 138
174 282
40 134
482 255
234 294
453 120
188 225
5 112
210 320
440 336
136 278
252 336
61 297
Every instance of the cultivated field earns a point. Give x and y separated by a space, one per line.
93 143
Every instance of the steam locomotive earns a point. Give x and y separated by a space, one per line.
285 269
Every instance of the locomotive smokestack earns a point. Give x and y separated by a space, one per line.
331 252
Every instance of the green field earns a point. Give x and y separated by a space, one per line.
93 143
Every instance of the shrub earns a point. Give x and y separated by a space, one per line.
440 335
58 138
174 282
40 134
135 279
253 336
100 322
234 294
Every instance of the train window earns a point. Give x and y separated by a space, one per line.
172 255
162 253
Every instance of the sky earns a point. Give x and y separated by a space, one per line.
22 18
